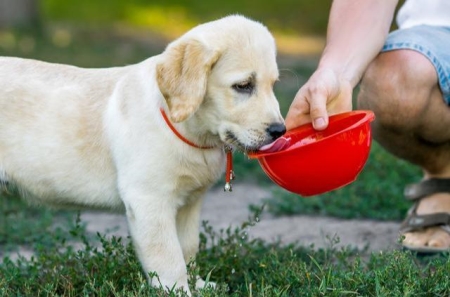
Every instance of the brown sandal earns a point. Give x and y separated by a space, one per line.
415 222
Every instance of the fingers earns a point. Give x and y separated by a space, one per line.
306 108
318 109
298 113
324 94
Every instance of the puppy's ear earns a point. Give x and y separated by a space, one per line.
182 76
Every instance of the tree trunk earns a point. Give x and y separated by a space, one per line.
18 13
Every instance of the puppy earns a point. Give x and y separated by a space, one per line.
146 139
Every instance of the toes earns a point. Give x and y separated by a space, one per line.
431 237
417 239
439 239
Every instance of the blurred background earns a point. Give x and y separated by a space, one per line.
120 31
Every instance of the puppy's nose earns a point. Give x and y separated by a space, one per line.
276 130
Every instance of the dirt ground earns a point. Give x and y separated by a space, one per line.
222 209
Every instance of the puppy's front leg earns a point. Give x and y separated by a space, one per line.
152 224
188 219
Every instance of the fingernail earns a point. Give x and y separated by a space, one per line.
319 123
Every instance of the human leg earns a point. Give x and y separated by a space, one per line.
404 90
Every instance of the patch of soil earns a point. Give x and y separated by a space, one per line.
223 209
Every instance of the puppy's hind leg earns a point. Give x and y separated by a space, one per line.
152 226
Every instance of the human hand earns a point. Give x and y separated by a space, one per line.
324 94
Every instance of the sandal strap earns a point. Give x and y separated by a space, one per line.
426 188
416 222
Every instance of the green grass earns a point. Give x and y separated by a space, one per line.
239 266
79 46
21 224
305 17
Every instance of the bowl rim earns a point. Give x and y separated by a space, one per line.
369 116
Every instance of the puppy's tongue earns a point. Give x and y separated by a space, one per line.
278 145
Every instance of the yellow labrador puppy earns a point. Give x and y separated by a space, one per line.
146 139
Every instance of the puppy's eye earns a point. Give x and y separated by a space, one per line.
244 87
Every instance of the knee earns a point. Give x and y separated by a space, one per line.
397 85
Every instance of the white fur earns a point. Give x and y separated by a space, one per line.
95 138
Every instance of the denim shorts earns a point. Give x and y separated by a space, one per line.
433 43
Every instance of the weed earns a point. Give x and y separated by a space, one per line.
241 266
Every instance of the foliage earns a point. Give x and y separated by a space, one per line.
77 46
177 15
239 265
21 224
62 270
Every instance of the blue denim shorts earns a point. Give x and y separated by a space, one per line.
433 43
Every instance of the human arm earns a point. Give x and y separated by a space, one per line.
356 32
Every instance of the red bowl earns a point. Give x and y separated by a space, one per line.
314 162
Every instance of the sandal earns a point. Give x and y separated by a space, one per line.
415 222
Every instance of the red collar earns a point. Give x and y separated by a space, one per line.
229 174
178 134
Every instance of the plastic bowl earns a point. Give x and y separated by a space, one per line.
312 162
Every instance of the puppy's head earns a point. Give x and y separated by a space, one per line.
220 76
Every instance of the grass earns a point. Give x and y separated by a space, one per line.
174 16
107 266
239 266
